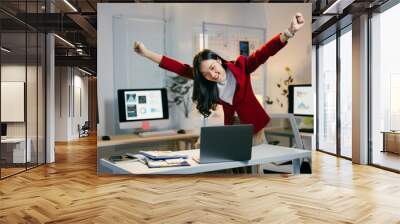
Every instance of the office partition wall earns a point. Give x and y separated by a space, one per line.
22 77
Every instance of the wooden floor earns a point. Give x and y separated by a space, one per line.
10 171
69 191
387 159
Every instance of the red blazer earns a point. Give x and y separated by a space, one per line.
244 102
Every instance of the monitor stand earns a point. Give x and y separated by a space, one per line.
145 127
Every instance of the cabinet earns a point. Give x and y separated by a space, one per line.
391 141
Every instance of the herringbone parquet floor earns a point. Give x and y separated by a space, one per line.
69 191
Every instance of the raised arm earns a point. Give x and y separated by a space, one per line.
274 45
143 51
164 62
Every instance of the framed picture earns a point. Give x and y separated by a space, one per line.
244 48
301 100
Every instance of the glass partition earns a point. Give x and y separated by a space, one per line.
22 77
14 153
385 90
327 96
31 97
346 93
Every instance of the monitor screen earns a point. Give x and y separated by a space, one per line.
142 104
3 129
301 100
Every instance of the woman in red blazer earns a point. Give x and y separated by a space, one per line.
217 81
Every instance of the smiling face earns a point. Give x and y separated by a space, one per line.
212 70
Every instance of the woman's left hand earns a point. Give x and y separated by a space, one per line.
297 23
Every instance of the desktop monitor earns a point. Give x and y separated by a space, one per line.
301 100
139 105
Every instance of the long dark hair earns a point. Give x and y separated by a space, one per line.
205 92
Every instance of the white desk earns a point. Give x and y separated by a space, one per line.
261 154
18 150
120 144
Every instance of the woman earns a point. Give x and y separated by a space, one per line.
217 81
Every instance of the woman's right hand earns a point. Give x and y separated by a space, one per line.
139 48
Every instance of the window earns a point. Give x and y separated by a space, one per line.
327 96
385 85
346 92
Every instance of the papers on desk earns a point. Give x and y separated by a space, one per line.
158 155
166 163
159 159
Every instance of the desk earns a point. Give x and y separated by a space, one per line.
13 150
261 154
117 140
120 144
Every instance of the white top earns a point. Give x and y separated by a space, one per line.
226 89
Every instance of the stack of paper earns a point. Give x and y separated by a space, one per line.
157 159
167 163
157 155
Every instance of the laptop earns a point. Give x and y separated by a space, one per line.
225 143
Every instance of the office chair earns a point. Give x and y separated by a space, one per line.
84 130
282 130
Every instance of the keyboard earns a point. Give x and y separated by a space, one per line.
157 133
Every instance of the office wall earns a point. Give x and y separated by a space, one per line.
15 72
296 55
71 86
182 22
80 109
61 103
105 63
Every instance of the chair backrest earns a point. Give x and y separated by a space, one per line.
282 129
86 124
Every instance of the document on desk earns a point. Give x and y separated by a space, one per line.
167 163
162 155
159 163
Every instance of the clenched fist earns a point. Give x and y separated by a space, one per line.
297 23
139 48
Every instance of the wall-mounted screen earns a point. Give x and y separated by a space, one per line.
12 101
301 100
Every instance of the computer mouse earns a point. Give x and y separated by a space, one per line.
181 131
106 138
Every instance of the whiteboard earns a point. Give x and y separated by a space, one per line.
12 101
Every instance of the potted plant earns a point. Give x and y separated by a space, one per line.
283 86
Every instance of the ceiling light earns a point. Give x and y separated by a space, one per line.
70 5
338 6
5 50
65 41
84 71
